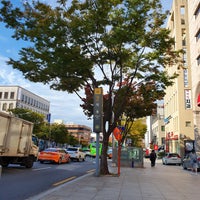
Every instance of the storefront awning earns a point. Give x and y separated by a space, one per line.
198 100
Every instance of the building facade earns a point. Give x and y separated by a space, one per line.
158 127
17 97
81 132
178 105
194 41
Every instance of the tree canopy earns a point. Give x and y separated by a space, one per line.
119 45
26 114
137 132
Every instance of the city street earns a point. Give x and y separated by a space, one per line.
45 181
161 182
18 183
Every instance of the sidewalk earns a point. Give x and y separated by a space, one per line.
157 183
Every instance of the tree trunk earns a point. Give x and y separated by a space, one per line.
104 164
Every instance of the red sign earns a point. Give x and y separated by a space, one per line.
155 147
117 134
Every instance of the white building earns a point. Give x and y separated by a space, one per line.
158 126
17 97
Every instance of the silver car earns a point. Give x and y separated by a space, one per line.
171 158
187 163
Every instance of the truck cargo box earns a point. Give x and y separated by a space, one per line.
16 139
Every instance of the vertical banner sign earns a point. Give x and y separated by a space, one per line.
98 110
49 117
188 101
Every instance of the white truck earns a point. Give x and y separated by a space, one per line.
17 143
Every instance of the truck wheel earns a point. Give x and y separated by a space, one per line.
29 162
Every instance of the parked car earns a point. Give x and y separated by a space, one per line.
56 155
109 153
187 163
76 153
171 158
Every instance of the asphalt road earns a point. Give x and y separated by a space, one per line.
19 183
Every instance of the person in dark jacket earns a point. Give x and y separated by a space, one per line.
152 158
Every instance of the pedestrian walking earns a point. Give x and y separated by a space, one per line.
193 160
152 158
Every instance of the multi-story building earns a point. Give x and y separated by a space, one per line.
178 105
194 40
81 132
158 126
17 97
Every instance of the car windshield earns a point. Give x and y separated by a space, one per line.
173 154
50 150
72 149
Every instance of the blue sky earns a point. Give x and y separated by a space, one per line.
63 106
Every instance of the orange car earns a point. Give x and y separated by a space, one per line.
56 155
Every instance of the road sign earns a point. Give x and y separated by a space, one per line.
117 134
98 110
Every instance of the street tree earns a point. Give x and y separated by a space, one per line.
36 118
136 132
119 45
59 133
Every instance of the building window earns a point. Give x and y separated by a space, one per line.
25 99
0 95
197 35
11 106
162 128
29 100
22 99
12 94
182 10
197 11
183 37
198 60
4 107
188 124
182 21
6 95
